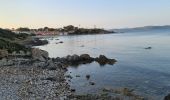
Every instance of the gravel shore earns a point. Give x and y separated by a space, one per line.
32 82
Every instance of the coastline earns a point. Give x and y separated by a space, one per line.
42 77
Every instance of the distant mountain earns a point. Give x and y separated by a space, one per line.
141 29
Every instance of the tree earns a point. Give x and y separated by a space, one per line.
23 29
69 28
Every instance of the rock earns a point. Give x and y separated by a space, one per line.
3 53
40 55
91 83
61 42
85 57
69 76
69 58
76 60
37 42
75 57
87 77
167 97
148 48
102 60
73 90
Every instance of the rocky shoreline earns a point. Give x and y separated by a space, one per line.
28 79
40 77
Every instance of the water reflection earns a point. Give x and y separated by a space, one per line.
146 71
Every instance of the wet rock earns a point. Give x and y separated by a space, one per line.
69 58
69 76
91 83
37 42
148 48
73 90
85 57
167 97
40 55
103 60
76 60
87 77
61 42
73 58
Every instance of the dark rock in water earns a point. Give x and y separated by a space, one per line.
40 55
85 57
61 42
148 48
167 97
73 90
103 60
76 60
87 77
69 76
37 42
91 83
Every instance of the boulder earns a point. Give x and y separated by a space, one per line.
75 57
102 60
91 83
87 77
72 60
148 48
85 57
167 97
3 53
69 58
40 55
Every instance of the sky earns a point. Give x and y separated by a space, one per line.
84 13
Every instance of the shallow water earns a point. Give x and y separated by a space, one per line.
146 71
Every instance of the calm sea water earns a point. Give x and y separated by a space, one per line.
146 71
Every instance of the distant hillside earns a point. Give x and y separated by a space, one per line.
145 28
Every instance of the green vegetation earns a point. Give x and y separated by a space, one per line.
23 29
8 38
10 47
7 34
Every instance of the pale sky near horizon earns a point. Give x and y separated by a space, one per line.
86 13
